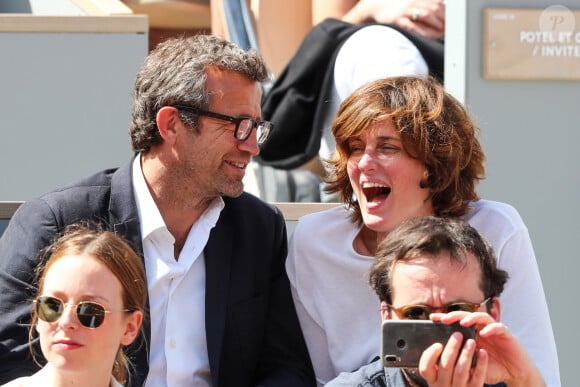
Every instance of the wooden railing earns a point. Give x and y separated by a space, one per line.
291 211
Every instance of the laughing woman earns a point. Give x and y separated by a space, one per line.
90 304
405 149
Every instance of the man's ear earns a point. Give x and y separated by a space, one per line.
167 123
495 308
385 311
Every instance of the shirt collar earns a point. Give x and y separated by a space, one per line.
149 215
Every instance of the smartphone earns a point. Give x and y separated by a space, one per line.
403 341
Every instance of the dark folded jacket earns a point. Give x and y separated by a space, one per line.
294 102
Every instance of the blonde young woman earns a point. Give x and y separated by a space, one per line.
90 303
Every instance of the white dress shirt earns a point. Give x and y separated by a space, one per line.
178 348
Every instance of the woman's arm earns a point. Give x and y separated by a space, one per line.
425 17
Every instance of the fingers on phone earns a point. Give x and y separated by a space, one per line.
462 371
453 363
428 364
480 369
449 358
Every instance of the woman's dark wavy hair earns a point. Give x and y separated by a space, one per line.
435 129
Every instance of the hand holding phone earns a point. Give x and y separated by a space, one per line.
403 341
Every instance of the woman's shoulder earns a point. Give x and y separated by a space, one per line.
489 212
339 214
498 222
115 383
335 220
20 382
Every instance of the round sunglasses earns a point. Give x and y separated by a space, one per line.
90 314
422 312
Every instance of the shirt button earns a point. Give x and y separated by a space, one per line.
172 344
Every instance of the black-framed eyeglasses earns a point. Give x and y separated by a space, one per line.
90 314
244 125
422 312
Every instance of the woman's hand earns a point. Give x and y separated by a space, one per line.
424 17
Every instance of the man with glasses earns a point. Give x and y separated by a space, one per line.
442 270
220 311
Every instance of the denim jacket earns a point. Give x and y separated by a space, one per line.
375 375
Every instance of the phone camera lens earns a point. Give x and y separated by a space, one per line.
391 359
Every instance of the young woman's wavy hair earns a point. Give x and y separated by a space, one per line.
435 129
89 239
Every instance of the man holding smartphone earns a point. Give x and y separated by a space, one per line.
442 270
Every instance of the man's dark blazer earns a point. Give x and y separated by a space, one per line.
253 334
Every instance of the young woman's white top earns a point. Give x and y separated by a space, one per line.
40 380
340 313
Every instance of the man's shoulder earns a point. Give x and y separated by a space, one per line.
370 375
249 209
102 177
96 184
248 202
86 197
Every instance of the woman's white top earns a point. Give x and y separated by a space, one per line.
41 380
340 313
